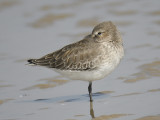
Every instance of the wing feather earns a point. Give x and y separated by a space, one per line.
76 56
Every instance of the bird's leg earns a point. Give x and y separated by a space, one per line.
90 91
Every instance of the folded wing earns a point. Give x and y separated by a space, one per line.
76 56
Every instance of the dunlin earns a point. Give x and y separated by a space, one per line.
90 59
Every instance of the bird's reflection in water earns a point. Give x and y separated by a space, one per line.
68 100
91 110
76 98
104 117
72 98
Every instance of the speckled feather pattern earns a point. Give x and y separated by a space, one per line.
100 51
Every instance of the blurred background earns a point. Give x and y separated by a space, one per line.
33 28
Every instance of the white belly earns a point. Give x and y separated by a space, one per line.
102 71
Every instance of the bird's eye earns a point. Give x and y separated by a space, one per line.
99 33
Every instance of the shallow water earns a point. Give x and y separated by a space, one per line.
31 29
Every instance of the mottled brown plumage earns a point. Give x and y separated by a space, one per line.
89 59
80 55
76 56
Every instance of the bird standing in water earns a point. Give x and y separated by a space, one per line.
90 59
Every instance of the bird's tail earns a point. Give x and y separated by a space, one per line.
42 62
32 62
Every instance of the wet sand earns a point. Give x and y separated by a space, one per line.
32 29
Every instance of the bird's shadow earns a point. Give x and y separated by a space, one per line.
72 98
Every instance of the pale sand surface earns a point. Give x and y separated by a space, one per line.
31 28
